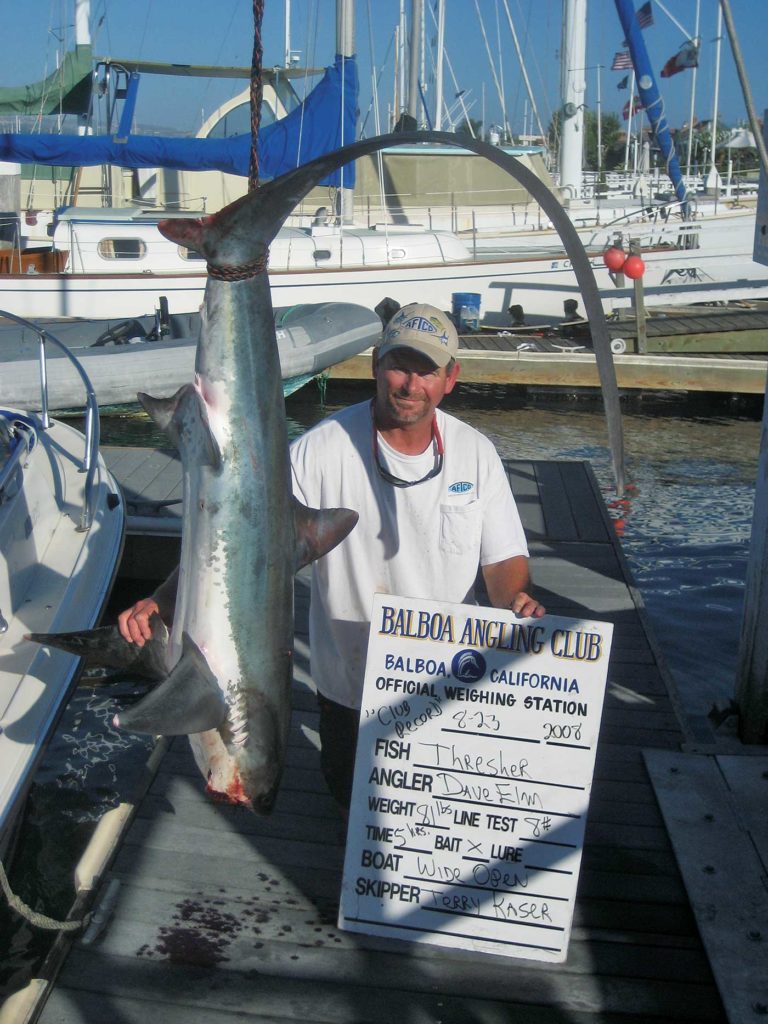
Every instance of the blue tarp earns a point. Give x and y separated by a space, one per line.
315 127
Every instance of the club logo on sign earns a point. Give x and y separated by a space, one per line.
468 666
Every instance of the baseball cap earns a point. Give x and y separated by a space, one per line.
424 329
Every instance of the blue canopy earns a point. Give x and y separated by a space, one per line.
317 126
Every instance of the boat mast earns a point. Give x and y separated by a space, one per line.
714 182
691 116
439 71
417 16
82 22
287 58
345 47
572 88
83 38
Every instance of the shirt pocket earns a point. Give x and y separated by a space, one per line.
460 528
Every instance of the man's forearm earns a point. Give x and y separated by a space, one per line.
507 583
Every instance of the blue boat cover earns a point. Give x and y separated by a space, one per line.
651 97
319 125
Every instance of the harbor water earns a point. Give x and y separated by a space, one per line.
685 524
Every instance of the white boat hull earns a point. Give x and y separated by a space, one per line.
54 577
540 284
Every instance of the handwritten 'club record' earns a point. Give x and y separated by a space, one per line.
472 778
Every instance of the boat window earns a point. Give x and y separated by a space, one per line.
190 254
397 254
322 254
121 249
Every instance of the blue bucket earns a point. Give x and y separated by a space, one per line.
466 310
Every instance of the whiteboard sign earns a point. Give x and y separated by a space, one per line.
472 779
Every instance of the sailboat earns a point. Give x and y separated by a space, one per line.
113 263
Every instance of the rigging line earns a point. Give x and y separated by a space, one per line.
375 78
235 85
311 37
673 19
375 101
738 58
38 122
524 70
493 67
460 94
144 30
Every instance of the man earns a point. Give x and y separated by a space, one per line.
434 504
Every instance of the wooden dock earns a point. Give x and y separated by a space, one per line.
210 914
687 349
497 361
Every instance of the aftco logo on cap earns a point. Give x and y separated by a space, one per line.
420 323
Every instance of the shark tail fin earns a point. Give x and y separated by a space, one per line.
105 647
188 701
186 231
319 530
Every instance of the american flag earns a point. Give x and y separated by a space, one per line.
622 61
645 15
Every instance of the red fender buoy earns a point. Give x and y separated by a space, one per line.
614 258
634 267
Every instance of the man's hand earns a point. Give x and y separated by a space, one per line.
527 607
134 622
506 583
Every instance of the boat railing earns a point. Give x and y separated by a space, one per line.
92 427
655 216
26 439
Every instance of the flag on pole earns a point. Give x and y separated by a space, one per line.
636 105
645 15
623 83
622 61
686 57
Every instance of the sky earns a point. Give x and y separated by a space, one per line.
221 32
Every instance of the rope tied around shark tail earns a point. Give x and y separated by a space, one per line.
241 273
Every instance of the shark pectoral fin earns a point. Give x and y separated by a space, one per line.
184 418
105 647
319 530
187 702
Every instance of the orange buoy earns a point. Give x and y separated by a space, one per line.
614 258
634 267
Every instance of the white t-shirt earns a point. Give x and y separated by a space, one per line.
422 541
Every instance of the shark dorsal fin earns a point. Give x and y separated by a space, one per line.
184 418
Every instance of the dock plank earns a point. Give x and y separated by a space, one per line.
224 916
724 876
